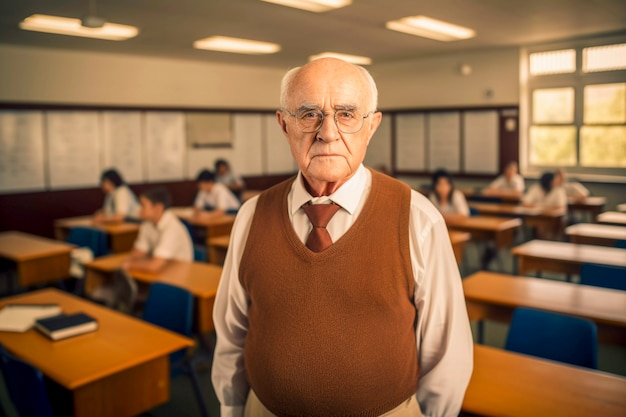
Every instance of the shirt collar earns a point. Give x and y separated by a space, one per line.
347 196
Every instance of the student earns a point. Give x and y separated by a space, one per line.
510 181
449 201
224 175
213 196
548 193
573 189
120 203
162 236
361 314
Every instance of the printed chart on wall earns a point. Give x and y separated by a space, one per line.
122 143
165 145
73 149
21 151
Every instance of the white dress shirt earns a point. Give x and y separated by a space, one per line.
220 198
574 189
121 201
168 239
442 333
556 198
503 184
457 205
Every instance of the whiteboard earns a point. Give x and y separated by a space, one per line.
277 153
21 151
444 146
481 141
73 149
165 146
122 144
410 142
247 143
378 154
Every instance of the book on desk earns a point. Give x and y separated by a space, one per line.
66 325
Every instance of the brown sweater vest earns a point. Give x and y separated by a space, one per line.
332 333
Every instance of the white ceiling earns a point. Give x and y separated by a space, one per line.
168 27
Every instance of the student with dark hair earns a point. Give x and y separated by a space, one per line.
445 197
573 189
548 193
510 181
213 196
224 175
119 202
162 236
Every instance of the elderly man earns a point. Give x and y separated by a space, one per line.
340 294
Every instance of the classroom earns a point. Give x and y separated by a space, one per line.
540 84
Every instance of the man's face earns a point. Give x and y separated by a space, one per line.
149 210
329 156
206 186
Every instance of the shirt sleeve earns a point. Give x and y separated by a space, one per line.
142 243
199 201
519 183
231 323
443 333
497 183
122 201
460 203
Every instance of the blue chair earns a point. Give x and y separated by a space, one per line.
553 336
171 307
621 244
94 239
199 251
25 385
606 276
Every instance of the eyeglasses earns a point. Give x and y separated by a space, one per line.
311 121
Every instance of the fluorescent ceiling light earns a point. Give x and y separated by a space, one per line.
236 45
317 6
73 27
430 28
353 59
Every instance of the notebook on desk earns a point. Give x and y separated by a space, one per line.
21 317
66 325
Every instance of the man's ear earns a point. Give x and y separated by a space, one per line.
282 121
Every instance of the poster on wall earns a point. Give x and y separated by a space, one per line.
21 151
73 149
122 144
165 145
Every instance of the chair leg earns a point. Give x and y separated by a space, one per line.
196 388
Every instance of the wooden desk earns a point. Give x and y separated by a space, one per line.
545 219
218 246
612 217
494 296
121 235
514 385
209 224
497 229
595 234
501 196
591 206
543 255
248 194
458 240
199 278
38 260
120 370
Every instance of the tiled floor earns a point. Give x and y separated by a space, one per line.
183 402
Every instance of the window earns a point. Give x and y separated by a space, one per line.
575 107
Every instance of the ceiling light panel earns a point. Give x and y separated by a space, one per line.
317 6
73 27
236 45
428 27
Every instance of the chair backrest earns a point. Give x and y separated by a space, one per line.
621 244
199 253
25 386
94 239
170 307
553 336
606 276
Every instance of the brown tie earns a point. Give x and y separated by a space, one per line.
319 215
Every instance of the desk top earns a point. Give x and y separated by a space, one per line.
511 197
516 210
458 237
587 202
614 217
485 223
121 342
621 207
572 252
199 278
87 221
19 246
604 231
220 241
205 219
598 304
514 385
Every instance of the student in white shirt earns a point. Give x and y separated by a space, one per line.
510 181
213 196
548 193
225 175
448 200
573 189
162 236
120 203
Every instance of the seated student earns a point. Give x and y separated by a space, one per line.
573 189
213 196
162 236
449 202
224 175
510 181
120 203
548 193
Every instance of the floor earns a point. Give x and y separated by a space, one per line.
183 403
